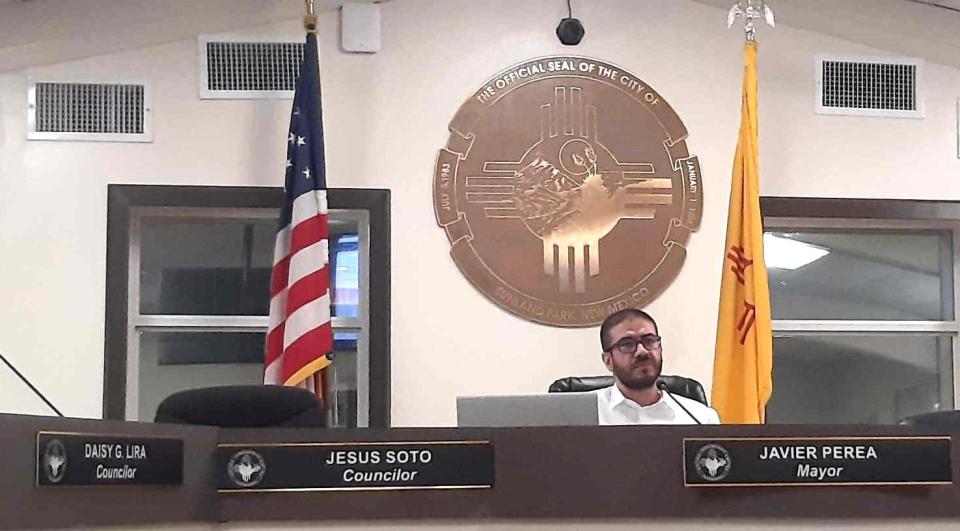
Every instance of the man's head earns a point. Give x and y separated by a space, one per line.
631 348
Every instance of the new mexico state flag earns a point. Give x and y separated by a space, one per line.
742 368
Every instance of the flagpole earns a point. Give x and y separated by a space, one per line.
310 24
310 18
750 10
318 379
293 355
743 361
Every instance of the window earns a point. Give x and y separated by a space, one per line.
863 313
195 296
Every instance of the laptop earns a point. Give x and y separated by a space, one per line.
552 409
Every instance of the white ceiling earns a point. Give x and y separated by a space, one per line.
903 27
39 32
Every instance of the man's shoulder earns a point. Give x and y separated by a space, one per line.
703 412
604 395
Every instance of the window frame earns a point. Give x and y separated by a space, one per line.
126 201
853 214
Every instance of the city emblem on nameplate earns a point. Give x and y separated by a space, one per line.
567 190
55 461
713 462
246 468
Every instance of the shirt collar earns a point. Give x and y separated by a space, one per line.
617 398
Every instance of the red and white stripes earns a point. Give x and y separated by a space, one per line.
300 333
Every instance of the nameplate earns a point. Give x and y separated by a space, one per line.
79 459
355 466
833 461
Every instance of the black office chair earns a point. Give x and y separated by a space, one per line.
678 385
944 421
243 406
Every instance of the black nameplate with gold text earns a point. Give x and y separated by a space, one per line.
81 459
323 466
833 461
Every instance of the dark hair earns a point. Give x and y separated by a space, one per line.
618 317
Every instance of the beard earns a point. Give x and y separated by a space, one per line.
633 378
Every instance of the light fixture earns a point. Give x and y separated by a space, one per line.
783 253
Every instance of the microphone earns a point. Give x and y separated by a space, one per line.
30 385
662 385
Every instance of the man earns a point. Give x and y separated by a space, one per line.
632 352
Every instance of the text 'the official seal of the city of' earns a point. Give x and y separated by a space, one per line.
567 190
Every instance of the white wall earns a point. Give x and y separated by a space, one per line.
386 117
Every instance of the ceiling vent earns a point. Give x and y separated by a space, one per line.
246 68
106 112
869 86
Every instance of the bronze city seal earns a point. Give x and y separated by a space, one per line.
567 190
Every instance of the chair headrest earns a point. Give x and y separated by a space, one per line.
678 385
243 406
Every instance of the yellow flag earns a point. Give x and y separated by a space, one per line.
743 366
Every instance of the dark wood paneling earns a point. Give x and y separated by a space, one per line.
115 318
379 307
24 506
582 472
542 474
903 209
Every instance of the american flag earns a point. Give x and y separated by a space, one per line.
300 334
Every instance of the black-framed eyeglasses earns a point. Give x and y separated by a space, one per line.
628 345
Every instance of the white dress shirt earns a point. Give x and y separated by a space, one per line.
614 408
